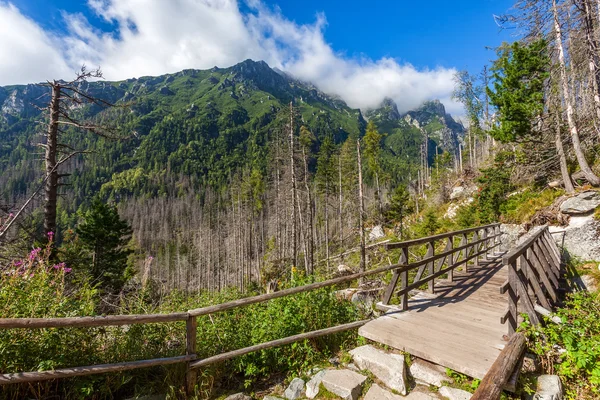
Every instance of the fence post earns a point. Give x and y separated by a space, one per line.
449 247
513 297
191 375
475 248
485 244
404 280
430 265
465 252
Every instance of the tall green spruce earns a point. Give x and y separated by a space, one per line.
104 237
372 152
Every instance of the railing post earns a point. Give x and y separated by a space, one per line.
404 280
513 297
475 248
485 244
191 375
389 292
449 247
465 252
430 266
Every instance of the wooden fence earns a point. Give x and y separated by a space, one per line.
474 243
534 273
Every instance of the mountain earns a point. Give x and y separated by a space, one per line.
197 126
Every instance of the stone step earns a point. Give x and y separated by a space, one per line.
390 369
344 383
428 373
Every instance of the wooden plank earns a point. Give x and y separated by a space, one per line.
520 249
542 274
512 296
525 300
545 268
21 377
79 322
533 282
276 343
491 386
191 375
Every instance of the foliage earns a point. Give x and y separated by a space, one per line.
519 74
579 335
521 207
104 237
400 206
494 185
430 224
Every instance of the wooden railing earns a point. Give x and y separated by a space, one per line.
474 243
534 273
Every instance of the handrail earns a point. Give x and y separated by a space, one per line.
498 375
534 271
479 246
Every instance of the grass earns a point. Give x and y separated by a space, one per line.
521 207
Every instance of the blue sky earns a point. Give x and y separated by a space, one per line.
360 51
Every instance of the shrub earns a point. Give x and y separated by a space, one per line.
579 335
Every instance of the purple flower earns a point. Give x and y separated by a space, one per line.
34 253
18 263
50 235
67 270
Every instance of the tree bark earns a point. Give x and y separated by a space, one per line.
564 170
361 211
583 164
592 53
311 241
51 188
294 194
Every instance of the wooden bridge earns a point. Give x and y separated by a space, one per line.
457 307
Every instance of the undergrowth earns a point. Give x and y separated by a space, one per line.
572 349
35 287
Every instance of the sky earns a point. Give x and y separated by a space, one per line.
361 51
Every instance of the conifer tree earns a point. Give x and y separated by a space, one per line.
372 141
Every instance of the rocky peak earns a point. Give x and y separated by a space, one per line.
387 111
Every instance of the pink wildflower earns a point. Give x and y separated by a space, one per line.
67 270
50 235
34 253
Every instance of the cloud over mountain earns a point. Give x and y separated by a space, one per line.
152 38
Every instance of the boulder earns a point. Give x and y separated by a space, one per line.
345 294
344 269
272 398
586 282
376 392
584 203
454 394
312 387
376 233
457 192
344 383
295 390
427 373
390 369
510 235
548 388
365 298
580 237
238 396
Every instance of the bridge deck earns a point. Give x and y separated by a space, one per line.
457 327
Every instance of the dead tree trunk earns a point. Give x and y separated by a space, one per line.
51 145
361 210
583 164
294 194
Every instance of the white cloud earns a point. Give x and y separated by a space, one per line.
27 54
167 36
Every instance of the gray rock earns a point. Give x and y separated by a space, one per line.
548 388
510 235
414 395
390 369
583 203
365 298
457 192
376 233
272 398
376 392
312 387
344 383
580 237
295 390
586 282
238 396
428 374
454 394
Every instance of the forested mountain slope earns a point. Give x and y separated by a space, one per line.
205 163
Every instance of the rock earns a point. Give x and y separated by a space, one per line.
510 235
580 237
344 269
312 387
555 184
272 398
586 282
238 396
353 367
454 394
295 390
376 392
457 192
344 383
390 369
345 294
452 210
365 298
428 374
548 388
376 233
530 364
583 203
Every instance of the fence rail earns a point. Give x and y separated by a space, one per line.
475 242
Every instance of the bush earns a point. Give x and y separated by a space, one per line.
521 207
35 287
579 335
